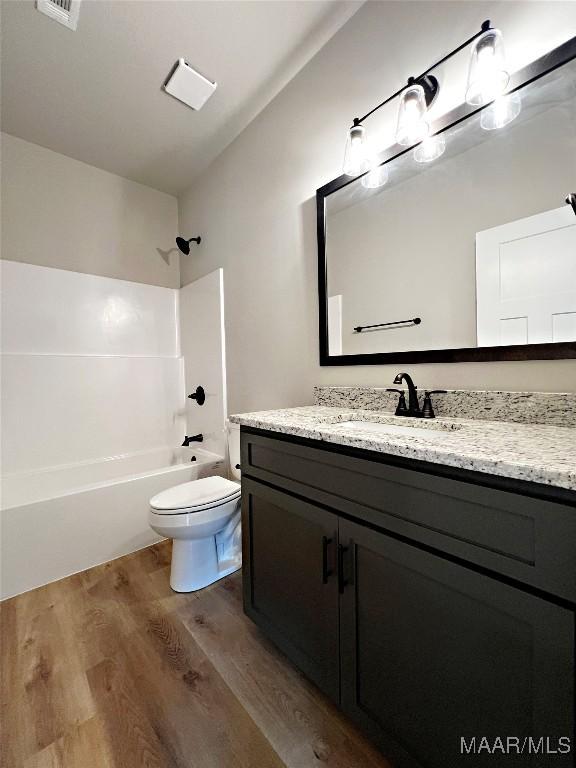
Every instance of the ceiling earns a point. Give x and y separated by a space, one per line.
95 94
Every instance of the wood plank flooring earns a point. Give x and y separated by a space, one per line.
111 669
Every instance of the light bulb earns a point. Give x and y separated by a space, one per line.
430 149
412 123
487 75
501 112
356 152
376 177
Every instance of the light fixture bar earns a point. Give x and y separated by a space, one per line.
484 28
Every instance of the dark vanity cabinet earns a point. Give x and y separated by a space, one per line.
431 605
431 651
293 594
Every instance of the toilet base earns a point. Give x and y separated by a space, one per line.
195 564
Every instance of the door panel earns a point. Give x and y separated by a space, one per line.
290 580
432 652
525 280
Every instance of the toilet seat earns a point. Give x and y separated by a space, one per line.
195 496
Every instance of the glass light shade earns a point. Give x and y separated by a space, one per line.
430 149
376 177
412 123
487 75
501 112
356 152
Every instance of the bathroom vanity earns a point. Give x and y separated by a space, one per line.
427 581
431 601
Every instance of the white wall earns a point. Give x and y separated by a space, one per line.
59 212
90 367
255 207
203 349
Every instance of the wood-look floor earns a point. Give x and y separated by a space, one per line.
111 669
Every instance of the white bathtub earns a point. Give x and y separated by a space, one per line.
61 520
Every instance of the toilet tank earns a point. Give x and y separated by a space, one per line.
234 449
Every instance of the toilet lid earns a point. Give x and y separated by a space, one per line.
197 494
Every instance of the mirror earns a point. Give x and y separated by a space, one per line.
471 256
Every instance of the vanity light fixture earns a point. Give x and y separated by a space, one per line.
413 125
488 79
487 74
356 159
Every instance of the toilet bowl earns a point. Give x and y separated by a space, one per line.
202 517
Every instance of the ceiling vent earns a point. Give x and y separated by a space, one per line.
188 85
64 11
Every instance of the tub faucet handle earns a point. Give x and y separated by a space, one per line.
199 395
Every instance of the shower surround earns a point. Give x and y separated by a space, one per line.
94 410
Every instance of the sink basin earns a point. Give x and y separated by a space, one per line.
380 428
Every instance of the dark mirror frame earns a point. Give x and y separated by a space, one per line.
550 351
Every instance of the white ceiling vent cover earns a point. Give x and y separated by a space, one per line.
189 86
64 11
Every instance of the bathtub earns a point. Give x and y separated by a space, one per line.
57 521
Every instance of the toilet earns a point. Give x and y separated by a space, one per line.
203 519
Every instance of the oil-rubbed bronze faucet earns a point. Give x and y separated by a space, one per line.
192 439
413 404
413 409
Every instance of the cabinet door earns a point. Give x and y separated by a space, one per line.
290 581
433 652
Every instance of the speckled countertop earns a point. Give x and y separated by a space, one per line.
539 453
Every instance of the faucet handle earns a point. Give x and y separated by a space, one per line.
199 395
401 408
427 409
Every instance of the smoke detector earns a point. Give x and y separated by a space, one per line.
64 11
189 86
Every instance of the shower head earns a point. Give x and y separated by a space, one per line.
184 245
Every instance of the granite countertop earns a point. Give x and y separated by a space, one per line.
539 453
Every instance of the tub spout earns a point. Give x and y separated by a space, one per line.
192 439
